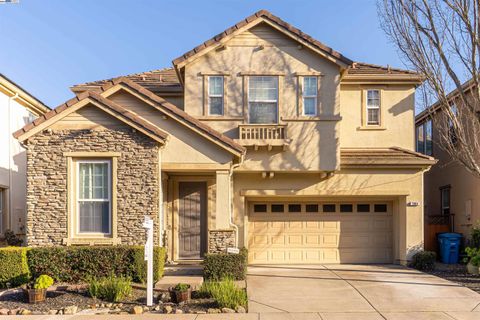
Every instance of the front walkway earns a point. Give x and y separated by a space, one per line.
356 292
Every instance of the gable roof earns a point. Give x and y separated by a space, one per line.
23 96
251 21
85 99
434 108
158 81
178 114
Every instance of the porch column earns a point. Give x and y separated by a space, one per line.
222 207
222 236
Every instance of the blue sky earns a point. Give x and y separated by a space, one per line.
49 45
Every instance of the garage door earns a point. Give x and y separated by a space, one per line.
294 232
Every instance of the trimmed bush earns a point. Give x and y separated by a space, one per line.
218 266
75 264
424 260
13 267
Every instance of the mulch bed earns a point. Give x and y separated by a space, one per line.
457 273
15 300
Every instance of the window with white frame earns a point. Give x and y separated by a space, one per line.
373 107
215 95
310 96
94 197
263 99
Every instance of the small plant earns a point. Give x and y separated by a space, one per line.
473 256
476 237
43 282
424 260
181 287
12 239
225 293
110 288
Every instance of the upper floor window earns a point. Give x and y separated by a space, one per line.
263 99
445 200
424 138
94 196
215 95
310 95
373 107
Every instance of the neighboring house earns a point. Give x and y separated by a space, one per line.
261 137
18 107
451 192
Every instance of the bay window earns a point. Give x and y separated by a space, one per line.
94 197
263 99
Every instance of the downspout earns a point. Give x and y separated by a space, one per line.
10 179
232 223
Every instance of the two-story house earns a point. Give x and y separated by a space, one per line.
18 107
451 192
261 137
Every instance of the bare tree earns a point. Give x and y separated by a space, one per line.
440 39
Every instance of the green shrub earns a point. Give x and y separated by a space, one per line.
217 266
13 266
225 293
476 237
43 282
473 256
73 264
424 260
110 288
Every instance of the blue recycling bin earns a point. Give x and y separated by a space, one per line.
449 244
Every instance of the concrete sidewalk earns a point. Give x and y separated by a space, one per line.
273 316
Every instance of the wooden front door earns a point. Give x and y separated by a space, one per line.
192 211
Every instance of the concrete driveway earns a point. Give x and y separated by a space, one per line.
356 292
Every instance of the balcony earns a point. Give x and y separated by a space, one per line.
263 135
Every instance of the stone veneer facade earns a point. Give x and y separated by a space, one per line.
220 240
137 181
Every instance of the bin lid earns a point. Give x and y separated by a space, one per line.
450 235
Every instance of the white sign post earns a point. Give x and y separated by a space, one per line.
148 225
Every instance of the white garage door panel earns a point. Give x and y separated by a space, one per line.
294 237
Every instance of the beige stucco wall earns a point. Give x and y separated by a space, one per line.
400 186
397 117
280 55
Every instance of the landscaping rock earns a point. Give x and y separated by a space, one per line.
3 312
200 312
53 311
167 309
137 310
178 311
109 305
70 310
165 297
25 312
241 309
157 308
227 310
13 312
214 310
